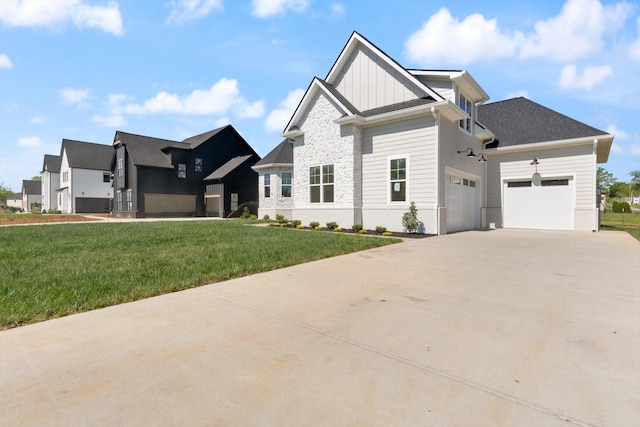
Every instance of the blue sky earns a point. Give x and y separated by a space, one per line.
82 69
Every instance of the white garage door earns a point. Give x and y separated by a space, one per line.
541 203
462 202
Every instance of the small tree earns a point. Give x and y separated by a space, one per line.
410 220
5 193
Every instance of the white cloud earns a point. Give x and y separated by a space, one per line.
278 118
620 134
5 62
109 120
570 78
222 98
634 49
29 141
576 32
52 13
190 10
77 97
337 10
38 120
517 94
269 8
630 142
444 39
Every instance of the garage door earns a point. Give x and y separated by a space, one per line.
92 205
462 202
540 203
169 204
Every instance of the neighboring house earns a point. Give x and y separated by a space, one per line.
276 181
372 137
206 175
85 177
15 201
50 181
31 195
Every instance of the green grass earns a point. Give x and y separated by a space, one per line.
55 270
621 222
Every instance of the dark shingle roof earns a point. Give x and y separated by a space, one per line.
148 151
32 187
397 107
194 141
281 154
51 163
339 96
87 155
228 167
520 121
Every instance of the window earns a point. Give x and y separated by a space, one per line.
554 182
398 179
65 176
234 201
286 184
106 177
321 184
267 185
466 106
182 170
120 168
119 200
516 184
129 201
198 166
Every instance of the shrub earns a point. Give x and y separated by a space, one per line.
253 216
356 227
331 225
380 229
299 226
54 211
317 227
296 222
266 217
271 224
281 219
363 231
338 229
626 208
410 219
44 211
283 224
387 233
314 224
246 213
620 207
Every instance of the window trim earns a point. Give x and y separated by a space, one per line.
467 123
106 177
389 181
197 167
182 170
288 185
322 185
120 167
267 185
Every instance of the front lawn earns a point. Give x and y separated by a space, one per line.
629 222
55 270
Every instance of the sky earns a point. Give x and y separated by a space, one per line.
82 69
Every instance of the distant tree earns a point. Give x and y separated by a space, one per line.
619 189
5 192
604 178
36 178
635 179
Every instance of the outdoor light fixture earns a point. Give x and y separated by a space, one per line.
482 158
535 161
470 150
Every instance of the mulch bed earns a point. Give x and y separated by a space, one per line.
369 232
41 219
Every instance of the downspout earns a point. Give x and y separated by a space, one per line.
484 184
436 206
596 212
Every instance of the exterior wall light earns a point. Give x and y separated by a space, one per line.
471 153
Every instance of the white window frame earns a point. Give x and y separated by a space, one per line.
467 106
129 200
182 170
197 164
120 167
388 180
322 185
289 184
267 185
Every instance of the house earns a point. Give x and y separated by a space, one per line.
206 175
31 195
373 136
15 201
50 181
276 172
85 177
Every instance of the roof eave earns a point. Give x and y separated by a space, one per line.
446 108
271 166
602 150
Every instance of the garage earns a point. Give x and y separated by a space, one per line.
92 205
169 204
462 198
539 203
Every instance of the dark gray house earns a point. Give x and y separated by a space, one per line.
206 175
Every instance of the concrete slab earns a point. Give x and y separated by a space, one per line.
507 327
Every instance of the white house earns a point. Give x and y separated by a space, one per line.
85 177
372 137
31 195
50 181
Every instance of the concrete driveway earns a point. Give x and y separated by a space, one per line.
500 328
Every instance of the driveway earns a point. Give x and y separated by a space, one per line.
500 328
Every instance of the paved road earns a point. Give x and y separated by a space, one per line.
500 328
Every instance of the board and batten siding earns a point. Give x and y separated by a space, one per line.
569 161
414 139
368 82
444 88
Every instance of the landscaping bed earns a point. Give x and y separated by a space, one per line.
25 218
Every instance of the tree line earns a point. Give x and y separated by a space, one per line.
615 188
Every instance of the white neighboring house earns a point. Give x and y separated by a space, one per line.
85 177
50 181
15 201
372 137
31 194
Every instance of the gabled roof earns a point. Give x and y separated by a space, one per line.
31 187
87 155
520 121
282 154
228 167
148 151
194 141
461 78
51 163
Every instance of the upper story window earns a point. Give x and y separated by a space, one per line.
129 201
106 177
321 184
286 184
182 170
119 200
398 179
120 168
267 185
466 106
198 165
65 176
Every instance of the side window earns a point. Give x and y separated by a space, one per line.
182 170
267 185
398 179
286 184
321 187
198 165
120 168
